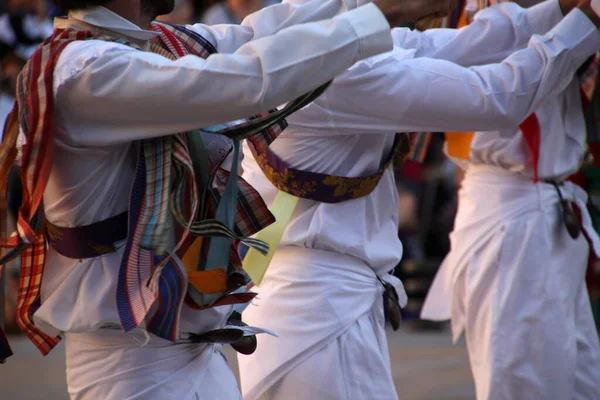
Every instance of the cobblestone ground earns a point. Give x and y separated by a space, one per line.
425 365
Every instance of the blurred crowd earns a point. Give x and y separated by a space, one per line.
428 201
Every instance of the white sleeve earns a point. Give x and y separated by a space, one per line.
388 94
494 34
228 38
122 95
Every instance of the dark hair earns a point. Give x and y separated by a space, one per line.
71 5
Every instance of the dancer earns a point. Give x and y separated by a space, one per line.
514 280
322 291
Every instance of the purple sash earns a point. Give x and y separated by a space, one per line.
320 187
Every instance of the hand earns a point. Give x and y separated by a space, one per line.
586 7
398 11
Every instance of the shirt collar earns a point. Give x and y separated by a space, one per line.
105 19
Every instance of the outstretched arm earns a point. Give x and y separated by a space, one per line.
392 94
494 34
270 20
146 95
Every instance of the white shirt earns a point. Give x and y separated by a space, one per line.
348 130
108 95
563 131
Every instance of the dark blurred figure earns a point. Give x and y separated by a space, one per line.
428 203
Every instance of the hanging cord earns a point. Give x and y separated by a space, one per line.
568 215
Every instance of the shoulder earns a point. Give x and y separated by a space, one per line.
78 55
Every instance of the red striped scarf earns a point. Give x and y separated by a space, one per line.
35 111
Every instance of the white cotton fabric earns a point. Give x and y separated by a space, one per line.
514 282
328 310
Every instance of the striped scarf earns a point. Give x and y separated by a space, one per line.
34 111
165 188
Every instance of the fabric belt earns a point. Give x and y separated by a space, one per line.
99 238
88 241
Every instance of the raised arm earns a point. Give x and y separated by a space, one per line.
228 38
392 94
494 34
272 19
146 95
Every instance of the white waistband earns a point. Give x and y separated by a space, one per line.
494 174
497 186
306 265
321 262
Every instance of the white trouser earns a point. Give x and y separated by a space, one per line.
328 309
111 365
515 283
353 366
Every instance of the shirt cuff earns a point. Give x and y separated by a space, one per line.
371 29
544 16
578 34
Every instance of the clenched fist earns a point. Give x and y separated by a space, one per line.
398 11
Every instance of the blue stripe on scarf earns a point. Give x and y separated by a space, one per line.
243 249
171 294
124 307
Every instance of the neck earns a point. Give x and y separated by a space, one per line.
132 11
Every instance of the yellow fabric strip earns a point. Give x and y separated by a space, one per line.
208 282
459 144
191 258
211 281
255 264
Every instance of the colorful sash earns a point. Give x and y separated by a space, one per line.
294 183
321 187
171 180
